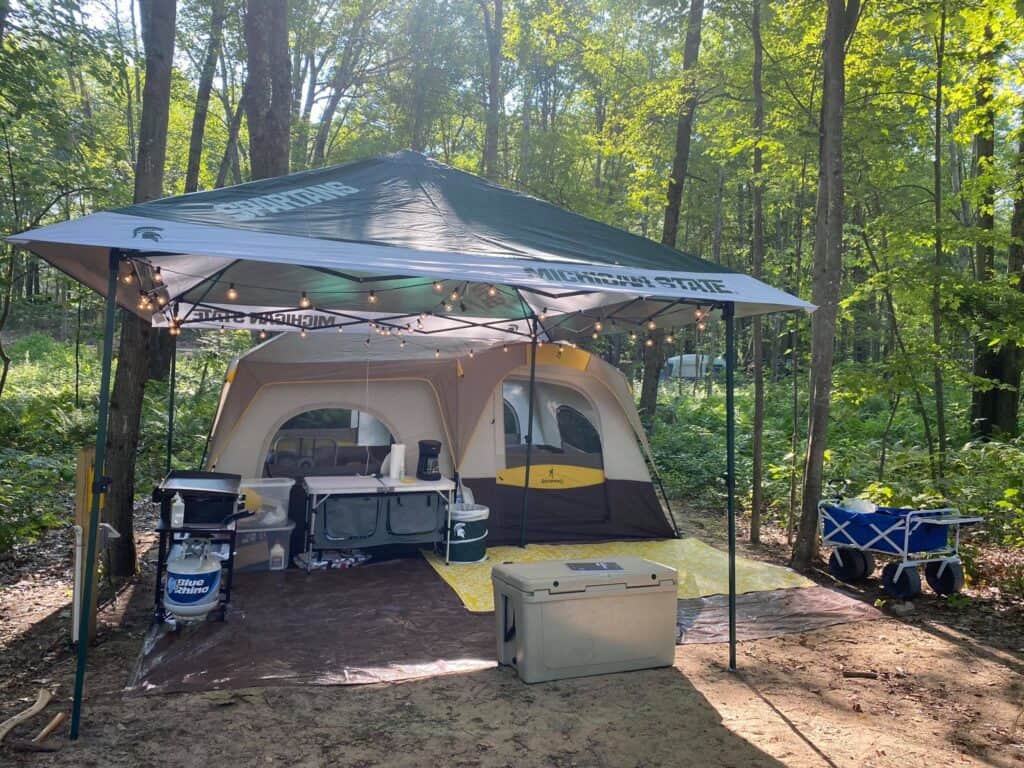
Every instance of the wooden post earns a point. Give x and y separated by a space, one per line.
84 467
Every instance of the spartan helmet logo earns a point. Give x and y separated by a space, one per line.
460 530
148 233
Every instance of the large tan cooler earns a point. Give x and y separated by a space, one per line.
558 619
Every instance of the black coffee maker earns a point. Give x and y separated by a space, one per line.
429 466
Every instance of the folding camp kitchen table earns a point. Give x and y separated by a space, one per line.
320 489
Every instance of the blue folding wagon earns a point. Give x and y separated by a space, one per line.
912 537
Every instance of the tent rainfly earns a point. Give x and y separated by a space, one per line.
408 244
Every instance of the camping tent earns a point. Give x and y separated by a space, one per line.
400 240
289 407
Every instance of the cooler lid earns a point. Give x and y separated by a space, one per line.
556 576
202 482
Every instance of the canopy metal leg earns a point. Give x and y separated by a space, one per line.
99 487
172 383
728 312
529 436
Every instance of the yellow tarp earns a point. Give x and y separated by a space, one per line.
703 570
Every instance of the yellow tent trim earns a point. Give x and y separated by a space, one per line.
561 354
548 477
702 569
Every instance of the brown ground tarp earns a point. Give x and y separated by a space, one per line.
768 614
397 620
388 621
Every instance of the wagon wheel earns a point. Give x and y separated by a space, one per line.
850 565
907 587
949 583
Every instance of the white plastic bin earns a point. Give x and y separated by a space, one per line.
557 619
267 498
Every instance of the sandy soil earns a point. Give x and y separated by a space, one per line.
948 690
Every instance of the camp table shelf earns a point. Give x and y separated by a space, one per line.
373 497
912 537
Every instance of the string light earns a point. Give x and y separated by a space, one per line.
367 342
304 301
222 330
341 329
701 326
632 335
437 353
263 335
504 348
161 300
598 327
651 325
595 335
173 329
492 291
649 342
670 339
698 313
455 295
372 298
402 344
447 307
471 353
128 275
303 334
437 286
232 294
543 314
158 276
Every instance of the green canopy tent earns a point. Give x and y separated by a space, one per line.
405 244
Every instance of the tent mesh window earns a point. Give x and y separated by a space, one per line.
328 441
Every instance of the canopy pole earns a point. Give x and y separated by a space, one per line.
529 434
729 312
99 487
172 383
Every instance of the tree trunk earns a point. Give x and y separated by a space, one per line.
268 86
344 78
757 253
936 304
218 13
987 401
827 270
493 32
654 358
126 399
230 157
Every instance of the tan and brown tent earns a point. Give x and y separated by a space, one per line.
335 403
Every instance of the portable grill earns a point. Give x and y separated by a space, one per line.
212 507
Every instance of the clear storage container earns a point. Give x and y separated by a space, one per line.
267 498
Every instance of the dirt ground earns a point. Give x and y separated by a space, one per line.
947 689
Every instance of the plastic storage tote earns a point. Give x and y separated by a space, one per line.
558 619
260 549
267 498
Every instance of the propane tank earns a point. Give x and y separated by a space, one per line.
193 581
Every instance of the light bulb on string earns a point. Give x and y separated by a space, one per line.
492 291
263 335
595 335
437 353
161 300
304 301
598 327
651 325
128 276
649 342
632 335
447 307
372 298
454 295
402 344
232 293
437 286
472 353
367 342
543 314
670 339
504 348
223 330
158 276
341 329
303 333
173 329
701 326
